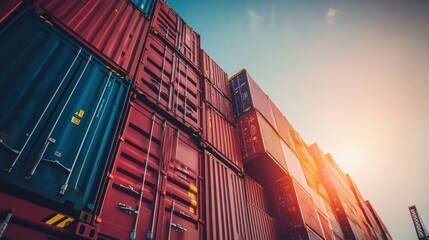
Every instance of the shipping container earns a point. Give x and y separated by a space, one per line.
292 207
221 136
283 126
61 107
215 74
153 188
261 150
114 29
294 166
304 234
218 100
262 225
247 95
168 81
226 207
179 35
327 231
8 7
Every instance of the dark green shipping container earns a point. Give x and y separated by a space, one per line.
60 112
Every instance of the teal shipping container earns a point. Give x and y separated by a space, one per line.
61 109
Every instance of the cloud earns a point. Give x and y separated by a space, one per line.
331 16
255 19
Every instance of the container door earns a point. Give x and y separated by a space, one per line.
61 109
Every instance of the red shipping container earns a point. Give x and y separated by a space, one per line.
168 81
262 225
215 74
292 207
171 27
221 136
282 126
154 180
8 7
116 29
226 208
263 157
219 101
247 95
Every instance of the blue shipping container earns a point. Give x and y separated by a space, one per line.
60 111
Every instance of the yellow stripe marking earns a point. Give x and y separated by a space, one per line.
65 223
54 219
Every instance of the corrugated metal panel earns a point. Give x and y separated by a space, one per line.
215 98
116 28
171 27
168 81
226 208
247 95
222 136
256 194
155 179
262 225
261 150
215 74
282 126
60 112
8 7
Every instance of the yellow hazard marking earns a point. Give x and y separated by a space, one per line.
58 220
192 194
54 219
65 223
75 120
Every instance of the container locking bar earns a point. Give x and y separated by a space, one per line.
3 225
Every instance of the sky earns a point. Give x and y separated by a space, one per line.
352 76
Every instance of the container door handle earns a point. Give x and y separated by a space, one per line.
8 148
127 209
178 227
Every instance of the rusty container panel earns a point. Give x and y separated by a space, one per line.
172 29
262 225
282 126
218 100
168 81
256 194
292 207
261 149
327 231
116 29
8 7
215 74
149 173
247 95
226 208
221 136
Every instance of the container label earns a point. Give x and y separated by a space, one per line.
78 116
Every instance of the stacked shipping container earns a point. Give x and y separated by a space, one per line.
117 125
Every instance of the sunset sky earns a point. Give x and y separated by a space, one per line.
350 75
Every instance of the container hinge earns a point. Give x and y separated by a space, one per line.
127 209
3 225
178 227
129 188
5 146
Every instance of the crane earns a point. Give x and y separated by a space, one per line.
422 234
